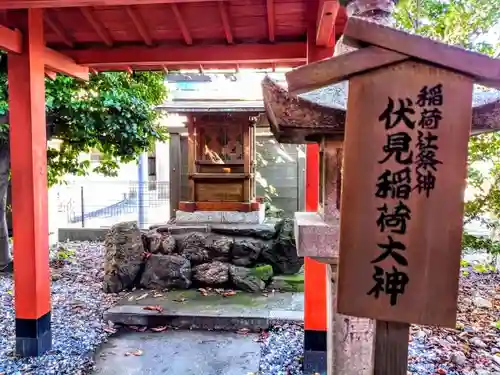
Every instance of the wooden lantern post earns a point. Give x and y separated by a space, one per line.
399 231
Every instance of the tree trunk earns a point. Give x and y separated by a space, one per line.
5 256
379 11
352 337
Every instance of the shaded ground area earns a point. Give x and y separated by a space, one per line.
78 304
179 352
473 348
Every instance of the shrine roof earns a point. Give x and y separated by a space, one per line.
179 34
192 106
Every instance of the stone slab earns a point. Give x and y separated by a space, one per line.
190 310
82 234
315 238
179 352
221 217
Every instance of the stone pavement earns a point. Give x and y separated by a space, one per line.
192 310
179 352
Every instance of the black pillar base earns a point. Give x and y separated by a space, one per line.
33 336
315 352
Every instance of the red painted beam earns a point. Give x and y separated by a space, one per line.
203 54
50 74
22 4
28 151
139 25
11 40
60 63
103 33
325 26
53 23
315 273
225 22
270 20
182 25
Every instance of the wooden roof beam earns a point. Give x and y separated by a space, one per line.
225 22
139 25
53 23
50 74
290 52
22 4
182 25
11 40
88 13
59 63
325 26
339 68
270 20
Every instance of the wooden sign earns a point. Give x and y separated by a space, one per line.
405 158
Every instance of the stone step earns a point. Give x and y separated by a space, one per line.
254 312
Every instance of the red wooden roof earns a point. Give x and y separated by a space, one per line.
186 34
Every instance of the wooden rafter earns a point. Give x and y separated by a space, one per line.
290 52
139 25
225 22
182 25
11 40
51 20
50 74
59 63
88 13
270 19
22 4
325 27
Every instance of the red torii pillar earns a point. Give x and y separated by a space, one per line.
28 150
315 273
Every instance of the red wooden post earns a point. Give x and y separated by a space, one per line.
28 148
315 273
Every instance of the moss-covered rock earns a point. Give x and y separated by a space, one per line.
263 272
288 283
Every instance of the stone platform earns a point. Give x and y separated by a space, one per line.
189 309
221 217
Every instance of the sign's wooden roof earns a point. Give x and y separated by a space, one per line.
385 45
182 34
300 119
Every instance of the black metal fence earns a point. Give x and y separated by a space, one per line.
96 204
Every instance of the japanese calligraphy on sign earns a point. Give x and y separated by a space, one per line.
405 155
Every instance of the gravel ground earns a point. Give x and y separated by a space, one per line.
473 348
282 351
77 307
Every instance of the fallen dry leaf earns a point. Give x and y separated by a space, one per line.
243 331
159 329
136 353
229 293
181 300
142 297
154 308
109 330
156 295
203 291
138 329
